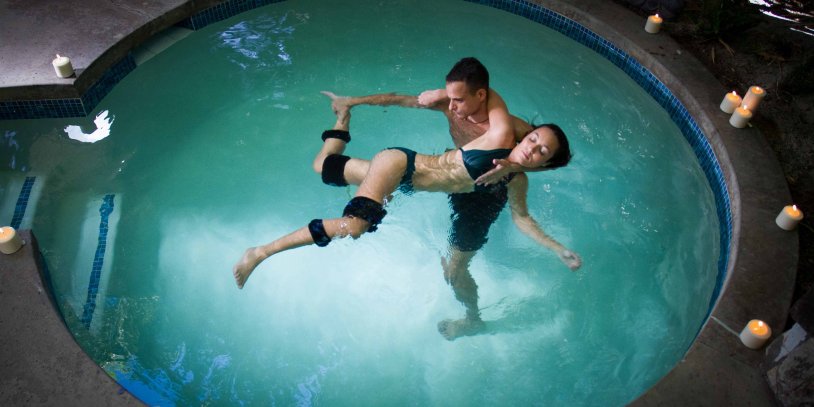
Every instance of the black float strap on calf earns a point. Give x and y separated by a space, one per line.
343 135
333 170
317 230
367 209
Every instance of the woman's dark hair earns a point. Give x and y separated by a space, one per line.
563 155
471 72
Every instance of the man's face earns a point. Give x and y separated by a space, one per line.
462 102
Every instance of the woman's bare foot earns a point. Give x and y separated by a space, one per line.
243 269
453 329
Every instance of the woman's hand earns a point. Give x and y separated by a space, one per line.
570 259
431 97
502 169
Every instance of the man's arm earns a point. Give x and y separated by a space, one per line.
382 99
518 191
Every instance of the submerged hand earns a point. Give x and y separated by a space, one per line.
502 169
570 259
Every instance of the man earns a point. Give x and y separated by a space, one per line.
463 102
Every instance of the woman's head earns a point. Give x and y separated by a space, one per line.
545 146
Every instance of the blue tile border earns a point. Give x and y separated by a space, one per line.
22 202
662 95
222 11
71 107
98 261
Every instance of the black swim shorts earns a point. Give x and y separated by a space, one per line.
472 215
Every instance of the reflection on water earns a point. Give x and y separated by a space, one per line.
261 43
795 11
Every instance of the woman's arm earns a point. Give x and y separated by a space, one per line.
518 191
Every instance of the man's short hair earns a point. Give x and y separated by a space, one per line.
470 71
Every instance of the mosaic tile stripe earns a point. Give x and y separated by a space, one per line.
70 107
98 260
660 93
222 11
22 202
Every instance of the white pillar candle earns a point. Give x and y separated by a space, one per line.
10 241
755 334
653 24
740 117
62 66
730 102
789 217
753 97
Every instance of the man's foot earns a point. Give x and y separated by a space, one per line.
243 269
453 329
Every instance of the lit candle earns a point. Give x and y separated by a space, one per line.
62 66
740 117
10 241
653 24
755 334
753 97
789 217
730 102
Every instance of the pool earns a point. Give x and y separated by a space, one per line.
167 321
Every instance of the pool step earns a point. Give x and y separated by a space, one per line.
20 193
158 43
92 264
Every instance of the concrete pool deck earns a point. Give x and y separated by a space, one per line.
717 369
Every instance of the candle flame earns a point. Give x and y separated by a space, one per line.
57 55
795 208
735 93
657 15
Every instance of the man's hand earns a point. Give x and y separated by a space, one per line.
570 259
431 97
338 103
502 169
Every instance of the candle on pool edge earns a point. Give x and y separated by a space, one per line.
789 217
653 24
730 102
10 241
62 66
755 334
740 117
753 97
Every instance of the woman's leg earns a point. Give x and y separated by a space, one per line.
361 215
353 169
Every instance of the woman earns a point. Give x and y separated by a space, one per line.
399 168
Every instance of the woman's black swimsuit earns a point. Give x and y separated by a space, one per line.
472 212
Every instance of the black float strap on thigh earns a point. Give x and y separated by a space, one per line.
367 209
317 230
333 170
343 135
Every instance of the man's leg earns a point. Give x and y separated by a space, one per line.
456 273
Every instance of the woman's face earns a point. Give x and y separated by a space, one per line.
536 148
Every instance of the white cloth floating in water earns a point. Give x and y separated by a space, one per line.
102 123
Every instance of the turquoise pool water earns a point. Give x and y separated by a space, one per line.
210 151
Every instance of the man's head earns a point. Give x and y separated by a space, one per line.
467 87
